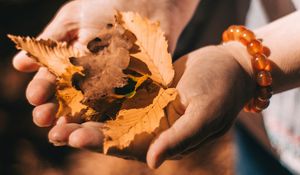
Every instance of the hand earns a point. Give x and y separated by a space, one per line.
213 87
77 23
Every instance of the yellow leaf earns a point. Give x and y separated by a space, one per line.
131 122
51 54
152 44
55 56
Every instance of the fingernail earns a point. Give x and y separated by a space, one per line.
56 139
56 143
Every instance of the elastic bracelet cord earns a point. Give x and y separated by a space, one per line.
260 64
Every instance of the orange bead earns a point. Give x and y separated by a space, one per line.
261 104
268 66
255 110
238 32
248 106
246 37
264 93
266 51
225 37
254 47
231 33
260 62
264 78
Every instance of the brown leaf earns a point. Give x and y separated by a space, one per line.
132 122
152 44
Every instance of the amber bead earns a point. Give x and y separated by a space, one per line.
266 51
261 104
256 110
225 36
264 93
246 37
231 33
264 78
268 66
254 47
260 62
238 32
248 106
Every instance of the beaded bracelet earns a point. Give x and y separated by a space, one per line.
260 64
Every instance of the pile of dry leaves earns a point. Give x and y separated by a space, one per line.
121 79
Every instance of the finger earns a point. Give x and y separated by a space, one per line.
174 110
61 120
41 88
93 124
59 134
85 35
43 115
23 63
178 137
88 138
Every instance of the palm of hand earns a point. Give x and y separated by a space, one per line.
77 23
212 86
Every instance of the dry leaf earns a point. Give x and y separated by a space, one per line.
131 122
55 56
152 44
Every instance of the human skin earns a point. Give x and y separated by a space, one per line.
213 84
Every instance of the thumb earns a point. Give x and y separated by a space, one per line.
179 137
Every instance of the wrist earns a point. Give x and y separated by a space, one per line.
239 53
261 65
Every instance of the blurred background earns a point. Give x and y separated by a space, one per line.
24 147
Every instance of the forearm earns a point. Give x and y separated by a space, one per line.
283 38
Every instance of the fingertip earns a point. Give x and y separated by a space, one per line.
59 134
41 88
155 157
39 92
23 63
61 121
44 115
76 139
87 137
